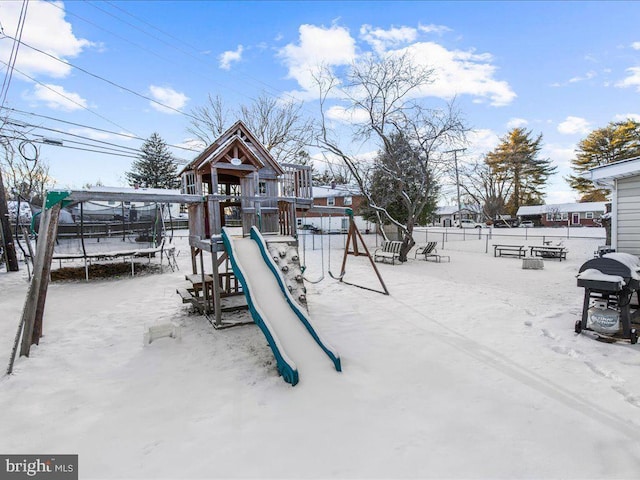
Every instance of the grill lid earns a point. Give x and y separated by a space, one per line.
621 265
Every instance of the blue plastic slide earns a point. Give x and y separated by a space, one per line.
286 326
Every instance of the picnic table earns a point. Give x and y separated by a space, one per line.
509 250
549 252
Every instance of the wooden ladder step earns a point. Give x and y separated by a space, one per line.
196 278
185 295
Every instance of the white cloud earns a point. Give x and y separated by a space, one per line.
621 117
459 72
555 196
192 143
45 29
635 45
317 46
230 56
589 75
93 134
381 40
560 156
516 123
98 135
632 80
439 29
573 125
580 78
343 115
169 97
482 141
57 98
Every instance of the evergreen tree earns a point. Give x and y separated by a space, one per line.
516 160
617 141
156 167
402 184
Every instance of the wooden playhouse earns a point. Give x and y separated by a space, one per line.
241 186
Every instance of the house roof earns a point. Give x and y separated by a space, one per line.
561 208
604 175
326 191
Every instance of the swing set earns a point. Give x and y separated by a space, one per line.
351 248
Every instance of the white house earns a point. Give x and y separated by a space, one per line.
623 180
448 215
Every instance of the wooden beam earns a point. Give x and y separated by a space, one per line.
36 295
129 196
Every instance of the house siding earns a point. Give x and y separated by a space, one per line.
628 225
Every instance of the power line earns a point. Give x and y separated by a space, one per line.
62 132
14 53
103 79
65 97
195 57
111 132
45 142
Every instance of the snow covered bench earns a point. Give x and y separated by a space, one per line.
390 251
509 250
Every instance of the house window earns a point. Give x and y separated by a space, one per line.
331 201
348 201
565 215
549 216
588 215
262 188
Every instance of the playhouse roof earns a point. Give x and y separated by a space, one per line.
240 136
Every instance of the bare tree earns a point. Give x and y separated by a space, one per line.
279 125
380 97
212 120
24 175
485 187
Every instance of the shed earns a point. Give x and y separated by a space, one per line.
623 180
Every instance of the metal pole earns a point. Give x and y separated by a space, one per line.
455 160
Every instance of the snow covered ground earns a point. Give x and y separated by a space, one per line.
469 369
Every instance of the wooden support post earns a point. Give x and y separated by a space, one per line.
216 288
36 296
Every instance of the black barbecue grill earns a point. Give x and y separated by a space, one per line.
608 293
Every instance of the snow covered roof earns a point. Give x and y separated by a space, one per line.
451 209
326 191
561 208
604 175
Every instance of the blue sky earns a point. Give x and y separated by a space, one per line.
560 69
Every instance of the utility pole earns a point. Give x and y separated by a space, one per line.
7 236
455 159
